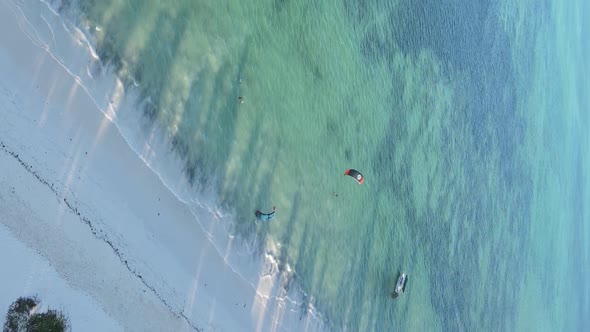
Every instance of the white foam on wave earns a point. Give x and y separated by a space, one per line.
153 145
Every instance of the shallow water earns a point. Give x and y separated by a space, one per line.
469 121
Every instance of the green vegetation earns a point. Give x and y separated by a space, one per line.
21 317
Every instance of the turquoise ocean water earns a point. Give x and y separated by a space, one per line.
469 120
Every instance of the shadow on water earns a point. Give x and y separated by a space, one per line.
291 221
154 83
368 289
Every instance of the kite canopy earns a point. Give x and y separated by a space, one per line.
355 175
265 216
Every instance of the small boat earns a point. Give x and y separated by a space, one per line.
400 287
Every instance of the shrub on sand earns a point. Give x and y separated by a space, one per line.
51 320
22 318
18 314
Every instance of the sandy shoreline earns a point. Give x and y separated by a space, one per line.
89 209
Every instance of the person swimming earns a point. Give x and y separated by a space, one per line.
266 216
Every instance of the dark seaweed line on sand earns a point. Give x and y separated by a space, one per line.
98 234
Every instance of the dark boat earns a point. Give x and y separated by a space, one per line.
400 287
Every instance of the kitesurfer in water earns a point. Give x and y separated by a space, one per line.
355 175
266 216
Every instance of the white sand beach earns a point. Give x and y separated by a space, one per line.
88 226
